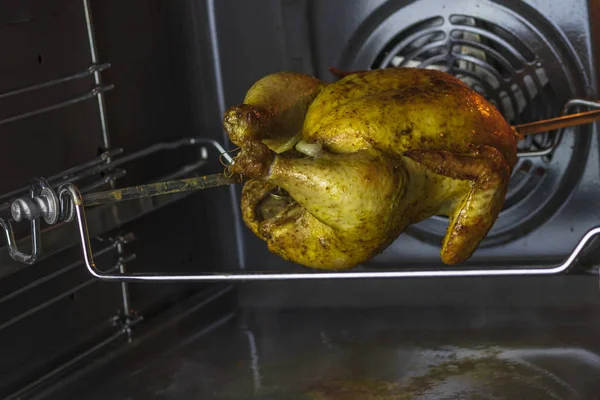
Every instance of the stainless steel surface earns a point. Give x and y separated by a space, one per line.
186 141
398 353
26 209
66 235
204 312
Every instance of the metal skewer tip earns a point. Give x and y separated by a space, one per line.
557 123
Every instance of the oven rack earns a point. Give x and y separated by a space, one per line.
112 275
103 217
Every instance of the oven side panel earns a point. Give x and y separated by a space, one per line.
165 88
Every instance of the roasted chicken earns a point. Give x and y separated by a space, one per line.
338 171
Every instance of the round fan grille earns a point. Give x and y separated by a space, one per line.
524 84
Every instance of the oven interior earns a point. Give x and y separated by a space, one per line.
112 94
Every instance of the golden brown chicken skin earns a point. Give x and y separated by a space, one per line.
337 171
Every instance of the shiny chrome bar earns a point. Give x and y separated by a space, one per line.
92 93
73 192
93 69
97 78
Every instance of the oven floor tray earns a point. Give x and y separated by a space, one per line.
394 353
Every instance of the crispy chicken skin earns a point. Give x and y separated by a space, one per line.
361 159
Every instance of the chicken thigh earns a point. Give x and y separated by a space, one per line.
338 171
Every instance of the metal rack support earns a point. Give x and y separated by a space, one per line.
274 276
97 77
43 201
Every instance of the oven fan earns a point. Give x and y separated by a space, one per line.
502 68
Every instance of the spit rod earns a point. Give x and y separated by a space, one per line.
160 188
551 124
210 181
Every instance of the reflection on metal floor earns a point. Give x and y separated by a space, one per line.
365 355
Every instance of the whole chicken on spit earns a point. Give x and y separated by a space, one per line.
338 171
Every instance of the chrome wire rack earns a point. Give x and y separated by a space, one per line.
66 204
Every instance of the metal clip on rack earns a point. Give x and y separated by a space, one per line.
68 203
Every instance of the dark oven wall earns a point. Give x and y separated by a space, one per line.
163 74
164 89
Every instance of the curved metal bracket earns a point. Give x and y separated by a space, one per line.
12 244
43 202
72 191
37 186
